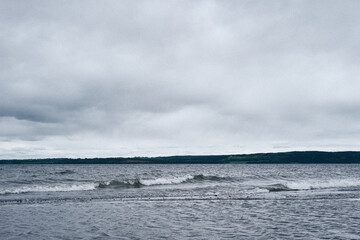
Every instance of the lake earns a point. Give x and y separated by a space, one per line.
180 201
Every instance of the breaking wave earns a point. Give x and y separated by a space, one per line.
313 184
138 182
114 184
202 177
50 188
316 184
166 181
120 184
278 188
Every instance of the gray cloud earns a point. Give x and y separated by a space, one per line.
84 78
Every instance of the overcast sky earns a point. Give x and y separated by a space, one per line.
147 78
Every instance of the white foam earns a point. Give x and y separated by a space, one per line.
165 181
107 183
50 188
259 190
318 184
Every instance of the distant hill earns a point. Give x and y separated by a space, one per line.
307 157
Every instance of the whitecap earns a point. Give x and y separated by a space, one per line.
319 184
50 188
166 181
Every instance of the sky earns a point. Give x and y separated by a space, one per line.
155 78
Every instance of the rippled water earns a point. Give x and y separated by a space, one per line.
180 201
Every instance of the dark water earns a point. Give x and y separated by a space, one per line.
180 202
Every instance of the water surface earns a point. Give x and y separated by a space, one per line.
180 201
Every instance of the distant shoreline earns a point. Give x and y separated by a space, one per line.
296 157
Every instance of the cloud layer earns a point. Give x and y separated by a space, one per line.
125 78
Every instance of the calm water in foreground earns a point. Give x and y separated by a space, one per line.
180 201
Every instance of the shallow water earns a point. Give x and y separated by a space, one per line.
179 201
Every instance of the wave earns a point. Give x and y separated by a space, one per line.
202 177
138 182
120 184
319 184
50 188
313 184
114 184
166 181
65 172
278 188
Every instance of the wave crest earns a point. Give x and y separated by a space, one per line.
49 188
320 184
65 172
202 177
121 184
278 188
139 182
112 184
313 184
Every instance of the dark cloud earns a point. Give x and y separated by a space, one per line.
83 78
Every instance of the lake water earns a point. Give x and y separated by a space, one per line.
180 201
